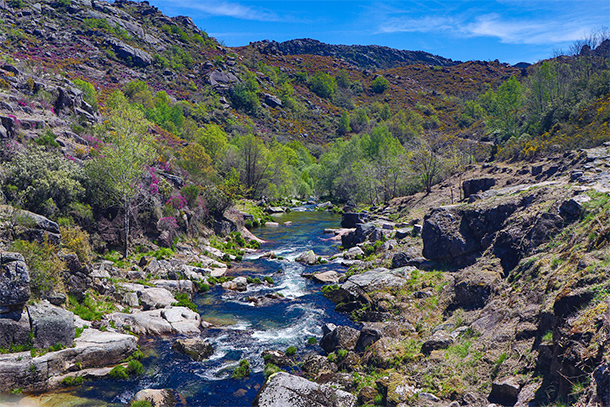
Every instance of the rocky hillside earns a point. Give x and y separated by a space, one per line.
498 293
372 57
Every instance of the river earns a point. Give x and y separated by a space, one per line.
242 330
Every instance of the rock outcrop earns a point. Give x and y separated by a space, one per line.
14 281
283 389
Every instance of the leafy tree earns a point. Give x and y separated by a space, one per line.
254 164
502 107
213 139
196 161
124 158
344 127
343 80
89 93
380 84
323 85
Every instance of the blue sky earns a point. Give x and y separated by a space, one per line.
508 30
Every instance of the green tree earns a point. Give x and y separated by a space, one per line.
323 85
255 165
344 127
380 84
503 107
213 139
123 160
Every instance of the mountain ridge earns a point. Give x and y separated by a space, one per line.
362 56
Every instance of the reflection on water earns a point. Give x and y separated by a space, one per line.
243 330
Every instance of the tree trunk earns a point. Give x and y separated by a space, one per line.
126 226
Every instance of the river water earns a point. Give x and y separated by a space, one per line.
243 330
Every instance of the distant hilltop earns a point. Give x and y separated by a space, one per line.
362 56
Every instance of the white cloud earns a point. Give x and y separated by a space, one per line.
229 9
526 32
514 31
425 24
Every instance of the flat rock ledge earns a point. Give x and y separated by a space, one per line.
283 389
93 349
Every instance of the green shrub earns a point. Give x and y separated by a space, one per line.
243 370
185 301
323 85
45 267
91 308
291 351
119 373
44 179
17 4
89 93
141 403
269 280
341 354
380 84
135 368
312 341
270 369
72 381
77 240
47 139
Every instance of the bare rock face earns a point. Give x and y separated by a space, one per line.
14 328
134 56
383 352
316 365
342 337
14 281
153 298
51 325
472 186
283 389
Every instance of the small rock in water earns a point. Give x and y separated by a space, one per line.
272 224
156 397
196 348
308 257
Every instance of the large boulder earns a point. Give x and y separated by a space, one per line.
364 232
283 389
351 219
473 288
472 186
440 340
505 391
237 284
93 349
317 365
14 281
133 56
76 276
33 227
170 320
384 353
459 235
342 337
371 332
377 279
196 348
601 375
153 298
51 325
